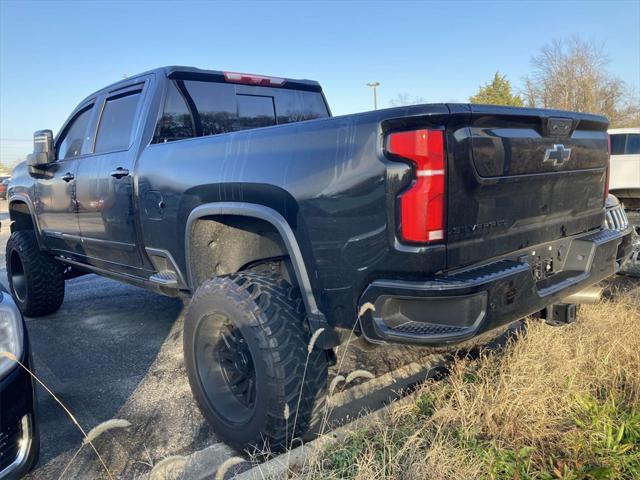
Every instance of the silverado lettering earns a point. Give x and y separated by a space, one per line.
468 229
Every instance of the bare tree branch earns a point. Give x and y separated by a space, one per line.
403 99
572 75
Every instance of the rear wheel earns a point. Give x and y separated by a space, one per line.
245 346
36 280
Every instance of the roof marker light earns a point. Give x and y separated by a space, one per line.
250 79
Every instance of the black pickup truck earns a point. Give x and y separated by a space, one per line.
439 222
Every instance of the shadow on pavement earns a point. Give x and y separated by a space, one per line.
94 352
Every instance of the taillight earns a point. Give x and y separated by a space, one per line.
250 79
422 206
606 178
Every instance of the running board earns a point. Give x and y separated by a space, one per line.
165 278
167 274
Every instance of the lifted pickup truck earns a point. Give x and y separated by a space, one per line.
282 223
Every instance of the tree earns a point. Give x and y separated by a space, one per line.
7 167
572 75
498 92
403 99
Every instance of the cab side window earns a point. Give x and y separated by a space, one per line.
116 123
176 122
75 135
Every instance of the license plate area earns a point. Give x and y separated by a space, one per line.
545 260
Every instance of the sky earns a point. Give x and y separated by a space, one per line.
55 53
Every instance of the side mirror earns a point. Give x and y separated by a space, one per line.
43 149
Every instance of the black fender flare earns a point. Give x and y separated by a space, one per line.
22 198
316 318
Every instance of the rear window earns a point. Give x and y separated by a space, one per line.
254 111
625 144
212 108
297 105
215 105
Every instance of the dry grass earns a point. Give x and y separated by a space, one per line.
558 402
87 439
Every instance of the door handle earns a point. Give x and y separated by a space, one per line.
119 172
67 177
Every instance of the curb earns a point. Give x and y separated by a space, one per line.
278 467
378 395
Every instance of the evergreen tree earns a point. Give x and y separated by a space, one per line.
498 92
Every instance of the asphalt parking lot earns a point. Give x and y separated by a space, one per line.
112 351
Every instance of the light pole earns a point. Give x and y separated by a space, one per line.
375 86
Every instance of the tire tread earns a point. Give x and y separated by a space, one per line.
44 275
280 323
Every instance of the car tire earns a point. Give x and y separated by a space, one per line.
36 280
246 347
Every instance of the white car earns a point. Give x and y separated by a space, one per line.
624 179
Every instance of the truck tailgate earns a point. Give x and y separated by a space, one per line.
521 177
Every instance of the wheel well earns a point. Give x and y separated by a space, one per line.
223 244
20 217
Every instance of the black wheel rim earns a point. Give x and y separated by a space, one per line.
18 279
225 369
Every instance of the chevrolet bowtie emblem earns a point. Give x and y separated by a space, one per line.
557 155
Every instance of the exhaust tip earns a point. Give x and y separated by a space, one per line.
589 295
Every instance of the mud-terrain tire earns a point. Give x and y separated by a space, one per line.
36 280
245 347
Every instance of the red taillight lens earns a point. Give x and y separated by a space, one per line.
250 79
422 206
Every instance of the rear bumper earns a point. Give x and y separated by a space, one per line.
459 305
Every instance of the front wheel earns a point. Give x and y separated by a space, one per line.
245 346
36 280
